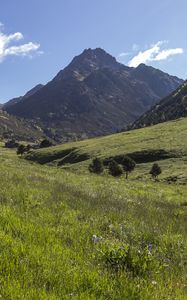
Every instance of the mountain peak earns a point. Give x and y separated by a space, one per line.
88 61
96 58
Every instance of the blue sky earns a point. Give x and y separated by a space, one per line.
40 37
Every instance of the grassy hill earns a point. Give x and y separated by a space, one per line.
164 143
48 217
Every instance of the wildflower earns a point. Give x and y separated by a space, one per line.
154 282
96 239
150 246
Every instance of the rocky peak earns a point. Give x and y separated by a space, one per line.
88 61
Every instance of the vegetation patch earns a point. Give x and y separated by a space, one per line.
164 143
46 157
144 156
73 157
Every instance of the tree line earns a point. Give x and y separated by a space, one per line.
127 166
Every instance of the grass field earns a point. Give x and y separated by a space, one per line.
170 137
48 216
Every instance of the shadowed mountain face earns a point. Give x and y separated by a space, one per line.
172 107
94 95
18 99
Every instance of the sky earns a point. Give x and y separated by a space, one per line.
38 38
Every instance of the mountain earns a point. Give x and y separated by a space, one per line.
18 99
12 127
172 107
94 95
156 79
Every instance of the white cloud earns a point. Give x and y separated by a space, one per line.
164 54
21 50
154 53
123 54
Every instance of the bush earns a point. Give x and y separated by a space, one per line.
128 258
21 149
96 166
11 144
115 169
45 143
28 148
128 165
155 171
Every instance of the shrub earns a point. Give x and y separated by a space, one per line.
115 169
45 143
28 148
21 149
11 144
96 166
128 165
126 257
155 171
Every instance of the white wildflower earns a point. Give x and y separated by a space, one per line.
96 239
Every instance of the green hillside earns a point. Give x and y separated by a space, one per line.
165 143
48 217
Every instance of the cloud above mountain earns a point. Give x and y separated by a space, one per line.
154 53
8 45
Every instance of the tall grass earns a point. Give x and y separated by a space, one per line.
48 217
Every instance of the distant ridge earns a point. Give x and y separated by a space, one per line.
21 98
172 107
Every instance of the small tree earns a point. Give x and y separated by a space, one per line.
155 171
115 169
128 165
96 166
45 143
21 149
28 148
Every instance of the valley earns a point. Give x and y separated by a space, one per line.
49 216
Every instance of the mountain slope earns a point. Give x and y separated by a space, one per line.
161 83
21 98
13 127
170 108
94 95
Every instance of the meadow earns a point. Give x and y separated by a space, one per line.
164 143
68 234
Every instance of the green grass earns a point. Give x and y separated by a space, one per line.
170 137
48 217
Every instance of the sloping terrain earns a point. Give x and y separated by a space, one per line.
170 108
94 95
164 143
52 221
21 98
18 129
